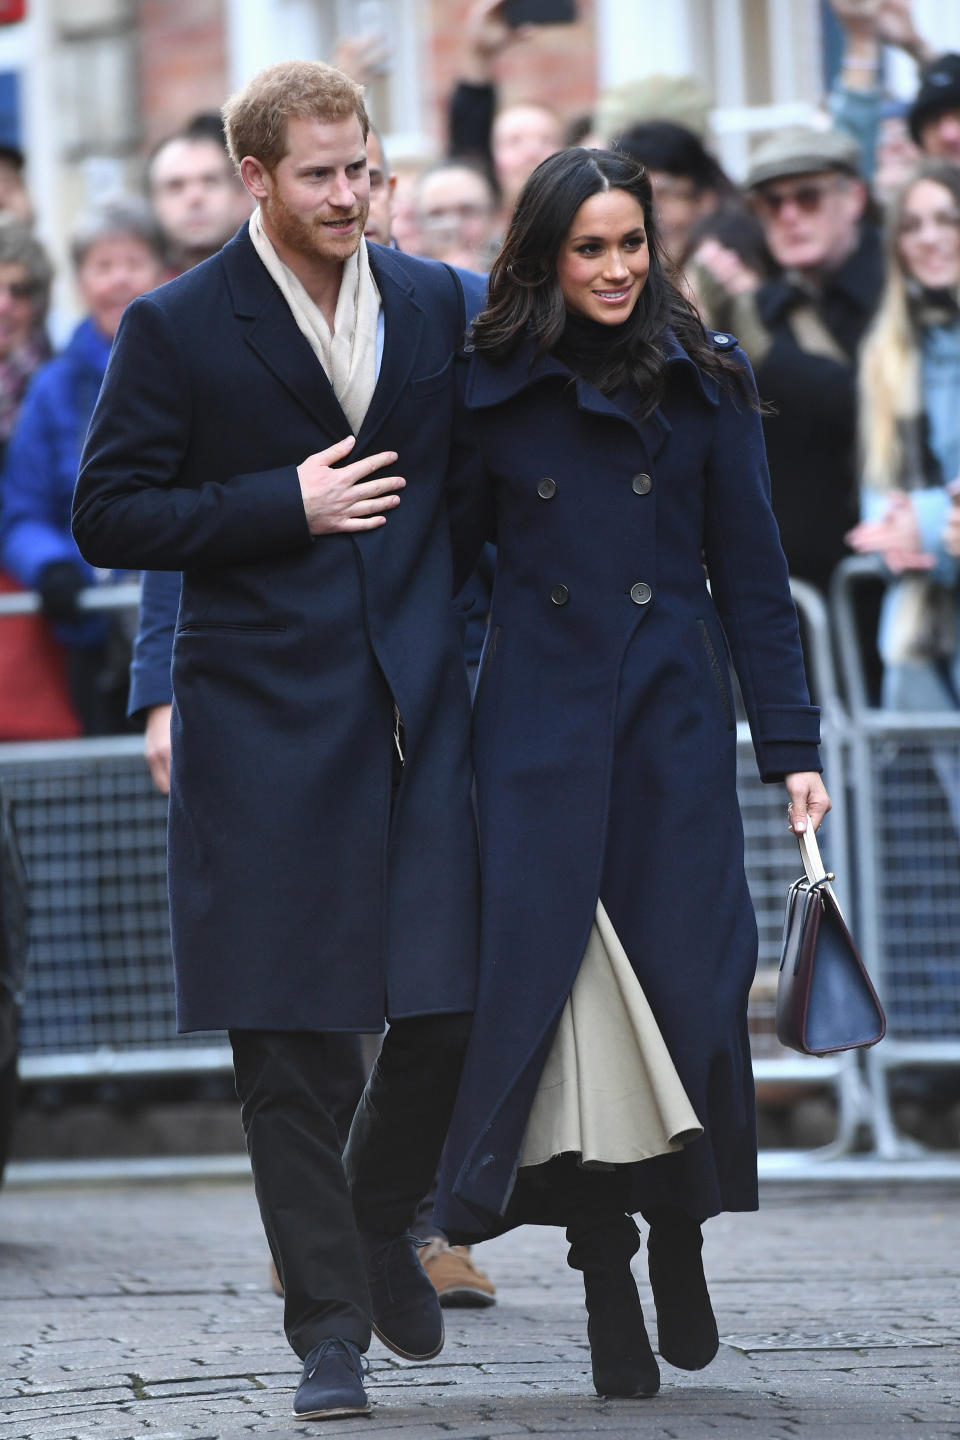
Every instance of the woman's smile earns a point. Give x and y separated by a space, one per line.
614 297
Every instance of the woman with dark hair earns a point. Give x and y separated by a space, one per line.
609 1070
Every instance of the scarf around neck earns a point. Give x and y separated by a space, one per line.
932 307
348 354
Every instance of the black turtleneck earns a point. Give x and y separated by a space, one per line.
598 352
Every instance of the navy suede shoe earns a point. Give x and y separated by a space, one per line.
332 1383
404 1305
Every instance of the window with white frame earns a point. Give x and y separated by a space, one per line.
759 60
266 31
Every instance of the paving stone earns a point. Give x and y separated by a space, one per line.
144 1313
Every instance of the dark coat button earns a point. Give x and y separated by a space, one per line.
547 488
642 484
641 594
559 594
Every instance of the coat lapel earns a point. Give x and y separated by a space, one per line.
273 336
653 431
489 385
402 325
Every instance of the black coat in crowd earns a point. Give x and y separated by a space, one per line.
811 436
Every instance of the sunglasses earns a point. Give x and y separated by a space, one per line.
807 197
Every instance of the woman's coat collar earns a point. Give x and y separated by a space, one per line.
491 384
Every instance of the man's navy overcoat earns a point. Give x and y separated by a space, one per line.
304 893
605 750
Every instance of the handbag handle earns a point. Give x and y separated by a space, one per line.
813 865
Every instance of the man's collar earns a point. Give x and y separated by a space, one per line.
857 278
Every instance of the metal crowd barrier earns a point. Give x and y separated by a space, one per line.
92 829
905 776
99 998
773 863
99 986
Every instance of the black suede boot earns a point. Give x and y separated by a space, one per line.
623 1361
686 1327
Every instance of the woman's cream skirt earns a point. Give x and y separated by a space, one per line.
609 1091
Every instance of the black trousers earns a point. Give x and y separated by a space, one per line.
292 1093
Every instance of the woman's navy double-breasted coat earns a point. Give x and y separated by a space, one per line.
605 749
308 891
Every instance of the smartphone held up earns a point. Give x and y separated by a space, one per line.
539 12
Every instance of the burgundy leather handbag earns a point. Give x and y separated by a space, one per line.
825 998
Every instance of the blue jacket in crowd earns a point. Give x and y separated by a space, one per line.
42 461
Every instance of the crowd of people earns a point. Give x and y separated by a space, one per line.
66 672
624 265
803 263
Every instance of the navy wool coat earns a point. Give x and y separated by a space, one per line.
605 750
305 893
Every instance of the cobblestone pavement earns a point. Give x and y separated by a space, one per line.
144 1313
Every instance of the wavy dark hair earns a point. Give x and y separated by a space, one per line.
525 298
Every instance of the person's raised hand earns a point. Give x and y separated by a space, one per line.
486 35
858 17
896 26
726 267
362 57
896 536
343 500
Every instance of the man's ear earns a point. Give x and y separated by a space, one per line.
858 197
255 177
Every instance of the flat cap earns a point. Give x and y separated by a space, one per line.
801 150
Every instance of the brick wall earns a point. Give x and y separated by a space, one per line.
182 62
558 65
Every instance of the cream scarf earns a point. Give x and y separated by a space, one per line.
348 354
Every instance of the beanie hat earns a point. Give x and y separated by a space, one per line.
939 91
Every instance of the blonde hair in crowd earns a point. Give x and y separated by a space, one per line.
890 373
255 118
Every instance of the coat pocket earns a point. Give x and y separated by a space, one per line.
227 627
489 650
719 677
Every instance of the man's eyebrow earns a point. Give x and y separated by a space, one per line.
309 165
